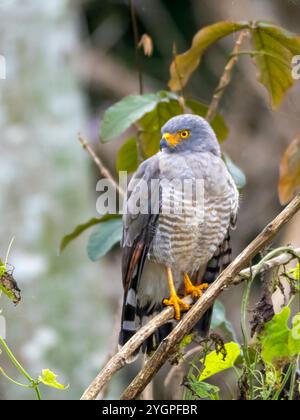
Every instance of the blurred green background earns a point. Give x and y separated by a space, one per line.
67 61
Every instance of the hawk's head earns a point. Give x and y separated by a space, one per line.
189 132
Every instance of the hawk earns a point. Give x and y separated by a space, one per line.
175 243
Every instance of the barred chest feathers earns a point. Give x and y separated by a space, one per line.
188 238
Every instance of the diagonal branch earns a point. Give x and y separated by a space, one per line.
119 360
225 78
232 275
226 278
104 172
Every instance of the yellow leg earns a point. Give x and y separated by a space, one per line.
174 300
190 289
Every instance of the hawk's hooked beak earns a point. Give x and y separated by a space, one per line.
172 139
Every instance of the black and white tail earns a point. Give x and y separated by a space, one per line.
134 315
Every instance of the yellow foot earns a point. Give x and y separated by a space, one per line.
194 291
177 304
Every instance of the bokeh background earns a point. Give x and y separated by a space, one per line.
67 61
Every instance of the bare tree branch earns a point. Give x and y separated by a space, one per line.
119 360
282 259
102 168
225 78
225 279
232 275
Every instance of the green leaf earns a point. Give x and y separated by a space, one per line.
237 174
295 272
48 378
204 390
151 123
218 123
215 363
185 64
275 49
106 235
82 227
294 340
127 157
278 341
187 339
2 268
219 321
7 292
119 117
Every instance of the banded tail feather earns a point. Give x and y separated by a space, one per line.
134 315
131 320
218 263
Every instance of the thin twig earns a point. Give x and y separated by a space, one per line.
282 259
139 72
102 168
232 275
136 46
225 78
198 309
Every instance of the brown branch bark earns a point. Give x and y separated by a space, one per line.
194 314
232 275
225 78
119 360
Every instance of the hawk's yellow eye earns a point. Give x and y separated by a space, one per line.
184 134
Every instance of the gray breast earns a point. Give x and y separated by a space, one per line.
186 240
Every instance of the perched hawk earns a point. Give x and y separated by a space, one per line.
175 242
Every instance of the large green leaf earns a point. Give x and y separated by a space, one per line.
127 157
218 123
130 109
237 174
106 235
82 227
278 341
152 122
185 64
274 49
216 362
220 321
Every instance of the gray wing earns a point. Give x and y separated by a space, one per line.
139 227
